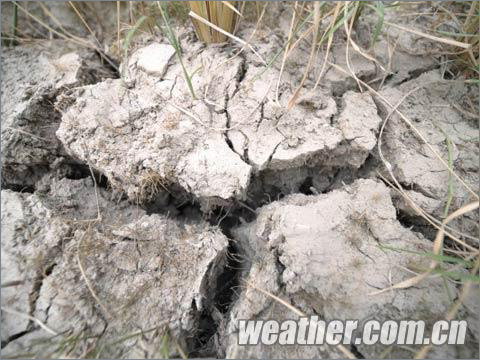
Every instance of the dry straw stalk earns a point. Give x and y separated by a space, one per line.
219 13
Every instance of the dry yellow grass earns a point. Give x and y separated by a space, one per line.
219 13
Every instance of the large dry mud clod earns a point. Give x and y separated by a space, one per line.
313 133
434 108
326 255
30 241
132 130
146 128
99 281
33 76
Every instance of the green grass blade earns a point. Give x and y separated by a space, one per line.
447 289
450 177
172 38
438 258
341 20
133 30
380 10
457 276
129 37
454 34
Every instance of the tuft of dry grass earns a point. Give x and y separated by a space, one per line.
150 186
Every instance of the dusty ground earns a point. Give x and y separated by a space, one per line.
133 215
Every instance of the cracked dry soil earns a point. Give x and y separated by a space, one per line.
132 214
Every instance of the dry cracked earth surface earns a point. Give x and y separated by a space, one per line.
133 215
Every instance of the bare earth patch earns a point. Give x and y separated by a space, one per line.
138 220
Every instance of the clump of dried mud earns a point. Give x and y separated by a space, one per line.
132 213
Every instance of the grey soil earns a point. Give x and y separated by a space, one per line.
133 215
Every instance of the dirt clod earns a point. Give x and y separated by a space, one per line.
103 279
321 244
151 198
33 78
